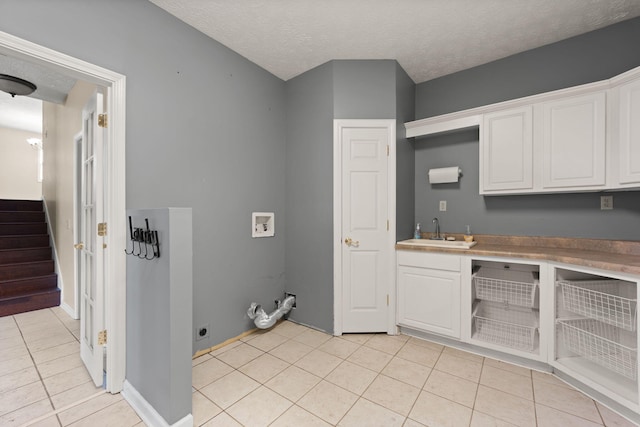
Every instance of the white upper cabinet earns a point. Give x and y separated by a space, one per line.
628 148
506 147
573 142
553 146
583 138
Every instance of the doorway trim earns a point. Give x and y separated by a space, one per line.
338 125
115 274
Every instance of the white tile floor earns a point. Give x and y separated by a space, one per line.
292 376
43 381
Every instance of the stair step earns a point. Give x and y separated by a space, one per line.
29 285
20 228
26 269
24 241
13 256
22 216
20 205
30 302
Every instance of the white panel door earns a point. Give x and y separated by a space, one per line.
507 150
629 148
91 247
365 248
573 142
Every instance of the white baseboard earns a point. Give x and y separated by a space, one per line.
72 312
149 415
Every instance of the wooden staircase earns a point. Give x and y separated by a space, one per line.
27 275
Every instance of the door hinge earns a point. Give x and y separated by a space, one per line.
102 229
102 337
387 225
387 300
387 151
102 120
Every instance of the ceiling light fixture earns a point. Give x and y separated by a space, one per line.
16 86
35 143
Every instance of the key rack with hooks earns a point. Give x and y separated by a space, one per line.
144 238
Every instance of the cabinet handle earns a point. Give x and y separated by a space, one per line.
79 245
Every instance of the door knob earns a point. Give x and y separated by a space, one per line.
350 242
79 245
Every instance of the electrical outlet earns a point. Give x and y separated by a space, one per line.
606 203
443 205
202 332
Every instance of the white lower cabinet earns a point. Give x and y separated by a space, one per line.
429 292
583 323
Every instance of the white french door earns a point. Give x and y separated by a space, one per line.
91 250
365 258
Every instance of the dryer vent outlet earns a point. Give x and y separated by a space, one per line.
286 295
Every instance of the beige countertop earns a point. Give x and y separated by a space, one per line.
613 255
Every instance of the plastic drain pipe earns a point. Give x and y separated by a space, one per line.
264 320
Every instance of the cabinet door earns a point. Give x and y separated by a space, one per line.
429 300
573 142
506 150
629 145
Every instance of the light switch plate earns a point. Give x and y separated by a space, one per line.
443 205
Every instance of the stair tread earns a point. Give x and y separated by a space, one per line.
23 279
28 262
30 294
21 236
36 301
30 248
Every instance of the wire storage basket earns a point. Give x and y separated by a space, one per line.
600 343
506 286
601 300
506 325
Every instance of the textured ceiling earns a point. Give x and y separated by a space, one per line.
52 86
25 112
429 38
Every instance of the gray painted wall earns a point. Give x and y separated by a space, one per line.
583 59
159 314
309 206
364 89
205 129
591 57
335 90
405 156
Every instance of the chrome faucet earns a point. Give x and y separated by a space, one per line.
437 235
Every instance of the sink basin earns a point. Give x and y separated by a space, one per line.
455 244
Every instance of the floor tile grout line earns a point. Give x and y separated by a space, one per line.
602 423
41 379
533 395
473 408
35 366
64 408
